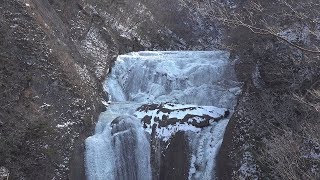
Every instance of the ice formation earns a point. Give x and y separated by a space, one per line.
190 91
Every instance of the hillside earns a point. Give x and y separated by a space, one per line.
55 55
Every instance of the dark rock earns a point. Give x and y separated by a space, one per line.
175 160
123 123
54 55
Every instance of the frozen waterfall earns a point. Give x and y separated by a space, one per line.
155 95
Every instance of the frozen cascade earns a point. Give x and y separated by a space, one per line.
163 93
119 152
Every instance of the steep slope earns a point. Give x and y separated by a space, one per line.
272 133
54 56
47 98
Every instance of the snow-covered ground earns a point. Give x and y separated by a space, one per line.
190 91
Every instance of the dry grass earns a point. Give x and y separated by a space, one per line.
311 99
293 154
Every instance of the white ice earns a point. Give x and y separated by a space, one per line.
201 79
183 77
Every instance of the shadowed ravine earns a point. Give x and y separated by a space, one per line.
167 116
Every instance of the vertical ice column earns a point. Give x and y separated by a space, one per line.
120 152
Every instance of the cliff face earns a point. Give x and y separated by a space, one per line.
48 98
53 58
54 55
272 133
274 122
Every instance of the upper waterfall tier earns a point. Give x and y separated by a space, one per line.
186 77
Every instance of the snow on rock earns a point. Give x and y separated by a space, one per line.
93 46
66 124
170 118
248 169
296 34
162 93
4 173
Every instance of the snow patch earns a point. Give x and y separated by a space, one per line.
66 124
248 169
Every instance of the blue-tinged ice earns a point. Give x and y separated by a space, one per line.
181 83
185 77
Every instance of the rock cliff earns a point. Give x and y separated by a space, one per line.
54 56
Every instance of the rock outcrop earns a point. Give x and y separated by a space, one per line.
54 56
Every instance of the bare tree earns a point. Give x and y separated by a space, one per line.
270 18
295 25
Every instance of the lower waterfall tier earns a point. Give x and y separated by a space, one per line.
119 152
